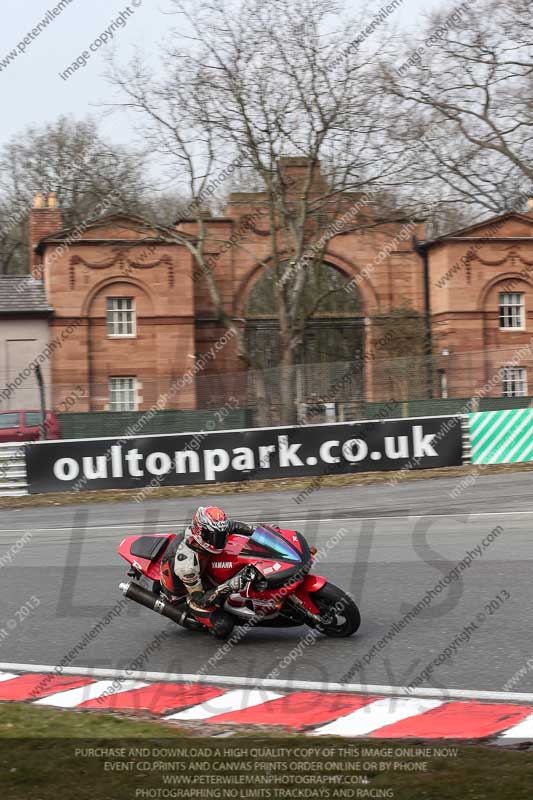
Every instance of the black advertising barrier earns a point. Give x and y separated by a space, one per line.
251 454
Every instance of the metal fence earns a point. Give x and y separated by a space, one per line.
375 387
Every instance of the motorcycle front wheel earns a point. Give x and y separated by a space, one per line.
341 615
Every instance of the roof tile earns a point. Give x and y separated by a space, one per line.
22 294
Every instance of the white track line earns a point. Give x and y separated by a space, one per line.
524 730
73 697
124 526
236 700
8 676
266 683
376 715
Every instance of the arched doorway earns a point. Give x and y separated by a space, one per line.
328 375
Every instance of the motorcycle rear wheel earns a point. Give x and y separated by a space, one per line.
346 619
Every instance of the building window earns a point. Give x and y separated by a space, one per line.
511 310
120 316
514 381
122 394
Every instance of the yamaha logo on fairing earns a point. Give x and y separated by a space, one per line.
245 454
223 564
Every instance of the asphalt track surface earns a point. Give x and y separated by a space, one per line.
396 543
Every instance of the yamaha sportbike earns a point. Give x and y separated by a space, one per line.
280 591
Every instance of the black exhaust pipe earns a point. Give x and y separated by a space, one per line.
152 601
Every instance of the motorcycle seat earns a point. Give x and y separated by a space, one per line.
149 547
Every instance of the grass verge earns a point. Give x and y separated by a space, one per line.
47 754
274 484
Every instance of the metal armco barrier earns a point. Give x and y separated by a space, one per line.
501 437
12 470
467 447
248 454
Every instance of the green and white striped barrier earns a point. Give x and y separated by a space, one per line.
501 437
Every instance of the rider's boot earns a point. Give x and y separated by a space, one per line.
204 608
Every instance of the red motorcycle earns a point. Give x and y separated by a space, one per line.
280 590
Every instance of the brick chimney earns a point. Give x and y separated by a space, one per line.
296 170
45 218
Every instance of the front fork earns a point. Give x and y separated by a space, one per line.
310 617
309 585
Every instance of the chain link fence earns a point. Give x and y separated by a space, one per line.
380 387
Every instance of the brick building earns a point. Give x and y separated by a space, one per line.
134 305
144 318
481 302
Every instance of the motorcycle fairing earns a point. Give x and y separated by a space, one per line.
279 556
145 552
223 567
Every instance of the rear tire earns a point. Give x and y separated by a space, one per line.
346 618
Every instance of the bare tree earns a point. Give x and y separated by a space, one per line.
71 158
467 93
248 84
404 354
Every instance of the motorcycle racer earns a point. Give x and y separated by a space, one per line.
186 559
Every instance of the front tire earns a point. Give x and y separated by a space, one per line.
341 615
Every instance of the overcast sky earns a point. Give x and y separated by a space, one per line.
31 88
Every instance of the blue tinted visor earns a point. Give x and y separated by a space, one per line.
275 544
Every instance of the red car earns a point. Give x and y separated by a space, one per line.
25 426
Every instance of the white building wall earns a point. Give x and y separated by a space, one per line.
21 342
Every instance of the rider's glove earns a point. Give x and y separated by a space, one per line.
235 584
239 581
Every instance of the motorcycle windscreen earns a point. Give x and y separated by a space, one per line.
274 544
